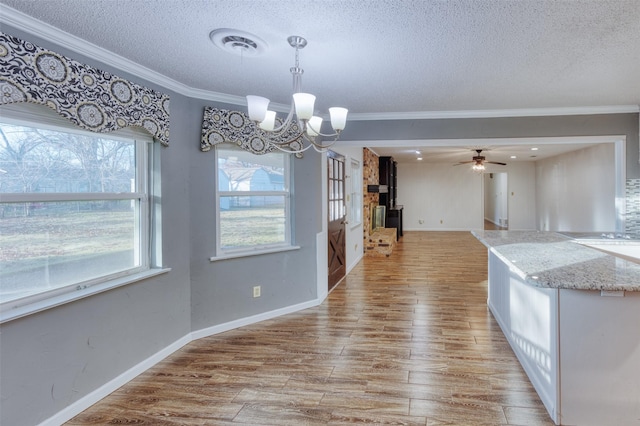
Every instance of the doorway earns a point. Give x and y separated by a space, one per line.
496 201
337 218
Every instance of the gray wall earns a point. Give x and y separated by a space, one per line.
53 358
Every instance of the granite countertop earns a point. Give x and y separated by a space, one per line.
552 260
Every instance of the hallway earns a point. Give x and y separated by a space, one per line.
406 339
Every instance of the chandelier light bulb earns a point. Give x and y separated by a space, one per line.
304 105
338 118
257 108
313 126
269 121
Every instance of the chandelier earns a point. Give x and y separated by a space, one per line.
300 130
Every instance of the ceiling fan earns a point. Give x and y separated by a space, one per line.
479 161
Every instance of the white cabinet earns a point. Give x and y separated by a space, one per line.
580 349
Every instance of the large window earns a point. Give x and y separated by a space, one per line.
74 208
253 201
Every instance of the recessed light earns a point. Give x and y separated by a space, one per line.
513 157
534 149
419 158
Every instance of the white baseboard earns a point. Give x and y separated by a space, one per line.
87 401
355 262
210 331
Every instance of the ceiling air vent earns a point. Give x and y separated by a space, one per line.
238 42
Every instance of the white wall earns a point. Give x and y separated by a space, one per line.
443 197
496 198
454 195
521 188
576 191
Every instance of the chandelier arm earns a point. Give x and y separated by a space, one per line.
293 151
277 143
319 145
285 124
328 135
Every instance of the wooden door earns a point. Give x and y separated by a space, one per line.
337 218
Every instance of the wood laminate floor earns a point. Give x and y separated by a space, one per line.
490 226
406 339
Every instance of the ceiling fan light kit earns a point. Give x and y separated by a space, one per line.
479 162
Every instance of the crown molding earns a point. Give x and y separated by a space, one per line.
46 31
495 113
479 142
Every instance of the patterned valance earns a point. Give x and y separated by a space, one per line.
221 125
92 99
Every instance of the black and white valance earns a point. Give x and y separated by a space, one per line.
221 125
91 98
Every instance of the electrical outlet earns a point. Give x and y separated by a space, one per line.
256 291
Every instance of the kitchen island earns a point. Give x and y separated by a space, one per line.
571 314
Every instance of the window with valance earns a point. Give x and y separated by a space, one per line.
77 189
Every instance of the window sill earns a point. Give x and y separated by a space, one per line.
253 253
9 312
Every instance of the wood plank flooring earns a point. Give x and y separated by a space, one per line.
404 340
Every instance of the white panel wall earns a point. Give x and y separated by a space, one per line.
521 188
443 197
576 191
454 195
496 198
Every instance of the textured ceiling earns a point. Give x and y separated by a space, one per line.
378 56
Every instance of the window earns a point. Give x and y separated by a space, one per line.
253 201
355 207
74 207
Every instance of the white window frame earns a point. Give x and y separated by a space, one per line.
287 192
150 239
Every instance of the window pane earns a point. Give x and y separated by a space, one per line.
243 171
252 221
44 246
41 160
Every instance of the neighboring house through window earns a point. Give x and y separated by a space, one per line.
253 199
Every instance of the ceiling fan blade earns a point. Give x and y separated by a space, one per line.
495 162
464 162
